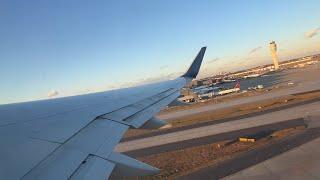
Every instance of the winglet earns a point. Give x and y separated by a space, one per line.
195 66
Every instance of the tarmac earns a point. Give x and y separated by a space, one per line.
302 162
270 118
223 120
254 164
231 135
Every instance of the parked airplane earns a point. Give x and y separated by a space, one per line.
74 137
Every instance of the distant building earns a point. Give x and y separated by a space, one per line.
196 83
187 99
273 49
207 82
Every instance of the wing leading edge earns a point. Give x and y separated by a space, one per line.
80 145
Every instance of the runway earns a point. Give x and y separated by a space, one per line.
231 135
265 119
284 158
223 120
302 162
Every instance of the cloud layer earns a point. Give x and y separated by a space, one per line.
255 49
312 33
53 93
164 67
213 60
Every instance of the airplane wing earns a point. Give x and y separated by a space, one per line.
74 137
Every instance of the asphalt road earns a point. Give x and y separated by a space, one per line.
265 119
216 138
171 130
295 157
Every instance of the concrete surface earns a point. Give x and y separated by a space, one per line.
302 162
278 116
231 135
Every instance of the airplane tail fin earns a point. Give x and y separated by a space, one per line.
193 70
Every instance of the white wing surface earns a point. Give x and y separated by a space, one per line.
74 137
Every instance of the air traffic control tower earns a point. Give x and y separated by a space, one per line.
273 49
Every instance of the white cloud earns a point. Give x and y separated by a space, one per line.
255 50
53 93
164 67
213 60
158 78
149 80
312 33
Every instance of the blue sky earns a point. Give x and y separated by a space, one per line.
76 46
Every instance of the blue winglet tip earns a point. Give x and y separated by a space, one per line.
194 68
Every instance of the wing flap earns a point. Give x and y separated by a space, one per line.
140 118
137 114
17 155
93 139
123 113
126 166
93 168
143 110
